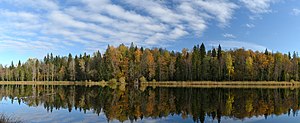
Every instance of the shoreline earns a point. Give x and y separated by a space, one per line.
177 84
223 84
52 83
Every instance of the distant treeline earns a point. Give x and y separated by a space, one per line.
132 63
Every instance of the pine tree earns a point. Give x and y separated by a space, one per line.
204 62
214 52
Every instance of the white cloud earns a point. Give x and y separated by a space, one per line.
227 35
19 15
237 44
249 25
295 11
92 24
192 16
258 6
32 4
223 10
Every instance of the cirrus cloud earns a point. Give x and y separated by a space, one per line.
92 24
295 11
227 35
228 44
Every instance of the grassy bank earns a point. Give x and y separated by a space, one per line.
231 84
194 84
51 83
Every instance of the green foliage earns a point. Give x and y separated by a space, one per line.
159 64
143 79
113 80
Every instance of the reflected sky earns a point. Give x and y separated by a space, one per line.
38 114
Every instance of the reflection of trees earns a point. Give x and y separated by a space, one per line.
123 103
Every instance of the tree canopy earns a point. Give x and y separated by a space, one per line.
132 63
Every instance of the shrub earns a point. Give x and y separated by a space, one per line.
143 79
113 80
122 80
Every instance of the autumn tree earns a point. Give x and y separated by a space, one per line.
70 68
229 65
131 63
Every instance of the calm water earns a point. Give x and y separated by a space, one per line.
126 104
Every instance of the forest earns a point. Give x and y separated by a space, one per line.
131 64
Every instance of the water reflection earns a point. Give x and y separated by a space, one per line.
123 103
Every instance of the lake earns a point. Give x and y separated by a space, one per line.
89 104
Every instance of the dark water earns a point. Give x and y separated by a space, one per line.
127 104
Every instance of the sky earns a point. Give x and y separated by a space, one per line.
33 28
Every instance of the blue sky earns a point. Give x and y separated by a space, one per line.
33 28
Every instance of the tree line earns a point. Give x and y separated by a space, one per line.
158 64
